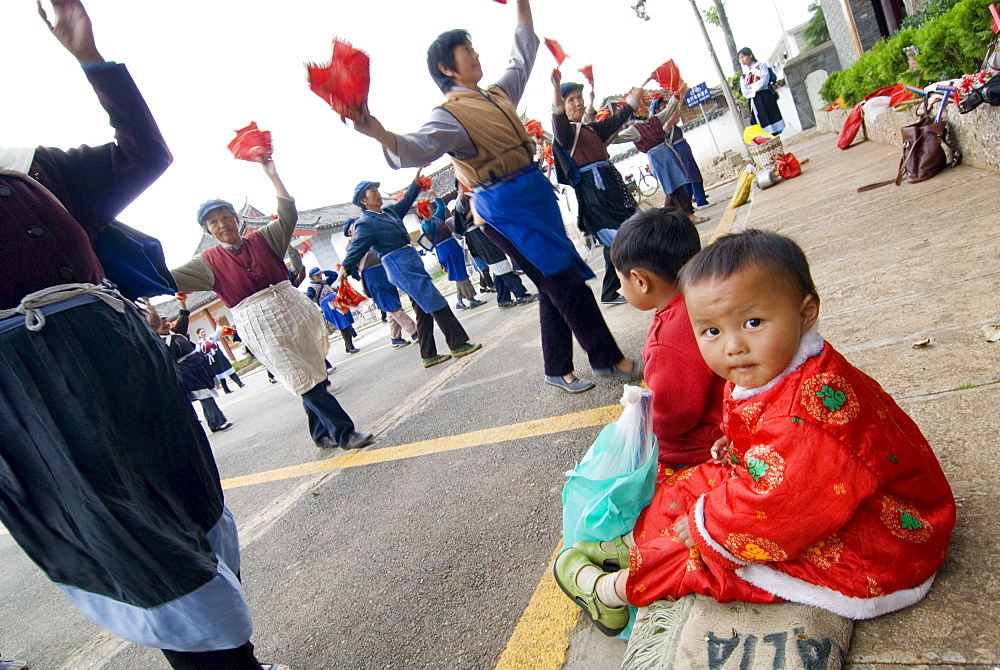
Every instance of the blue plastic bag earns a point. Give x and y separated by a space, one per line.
615 480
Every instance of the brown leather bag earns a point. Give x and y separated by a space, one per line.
924 145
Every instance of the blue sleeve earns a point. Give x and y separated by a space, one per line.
311 293
364 237
440 211
330 275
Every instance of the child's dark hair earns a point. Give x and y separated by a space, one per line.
443 51
658 240
769 251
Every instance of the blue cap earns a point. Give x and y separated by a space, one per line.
314 271
360 189
347 227
208 206
569 87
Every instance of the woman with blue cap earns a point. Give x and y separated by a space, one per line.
381 228
604 202
322 290
495 158
279 323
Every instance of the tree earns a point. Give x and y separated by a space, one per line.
716 16
816 31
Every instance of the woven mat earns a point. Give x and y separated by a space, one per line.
698 633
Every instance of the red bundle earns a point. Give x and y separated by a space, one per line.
588 73
305 246
602 114
181 297
227 331
251 143
556 49
547 155
347 296
424 210
534 128
344 83
425 183
668 76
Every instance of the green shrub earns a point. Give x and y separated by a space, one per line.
950 43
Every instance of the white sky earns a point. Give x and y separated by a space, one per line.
209 67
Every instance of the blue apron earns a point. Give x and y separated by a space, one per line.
381 290
406 272
452 257
523 209
340 320
667 168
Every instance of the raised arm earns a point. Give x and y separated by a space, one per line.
403 206
279 232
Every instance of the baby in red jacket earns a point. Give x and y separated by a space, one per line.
827 494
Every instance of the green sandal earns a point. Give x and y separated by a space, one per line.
610 620
609 561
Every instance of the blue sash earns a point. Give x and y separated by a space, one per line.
523 209
406 272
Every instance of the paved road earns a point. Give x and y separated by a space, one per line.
420 552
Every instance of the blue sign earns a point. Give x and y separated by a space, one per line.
697 95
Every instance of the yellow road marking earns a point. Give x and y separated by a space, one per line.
541 637
534 428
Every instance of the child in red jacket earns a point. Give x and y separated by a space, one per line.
648 253
827 493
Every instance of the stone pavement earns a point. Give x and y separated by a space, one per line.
894 267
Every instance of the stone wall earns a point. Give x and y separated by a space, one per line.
977 133
840 31
823 58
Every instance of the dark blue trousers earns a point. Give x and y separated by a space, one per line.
326 416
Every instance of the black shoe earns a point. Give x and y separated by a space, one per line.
226 426
526 298
356 440
617 300
353 350
327 441
506 305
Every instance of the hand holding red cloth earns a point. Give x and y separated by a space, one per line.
344 82
251 143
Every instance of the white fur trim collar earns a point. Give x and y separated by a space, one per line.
16 159
810 345
699 522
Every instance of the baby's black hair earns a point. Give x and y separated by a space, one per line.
442 50
769 251
658 240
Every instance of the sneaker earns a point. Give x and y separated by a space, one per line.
434 360
475 303
466 349
272 380
13 665
415 337
506 305
526 298
461 305
399 343
576 386
617 300
353 350
226 426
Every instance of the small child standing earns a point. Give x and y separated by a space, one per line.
648 253
827 494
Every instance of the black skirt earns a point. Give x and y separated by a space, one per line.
107 480
606 207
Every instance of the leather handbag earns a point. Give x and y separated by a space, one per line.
924 145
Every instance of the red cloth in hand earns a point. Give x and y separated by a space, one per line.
424 210
425 183
534 128
347 296
588 73
251 143
557 51
344 83
668 76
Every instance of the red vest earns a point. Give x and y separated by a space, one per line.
240 274
650 134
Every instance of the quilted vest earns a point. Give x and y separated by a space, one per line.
650 134
502 143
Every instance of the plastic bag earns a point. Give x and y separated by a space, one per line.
615 480
751 132
852 124
743 185
788 166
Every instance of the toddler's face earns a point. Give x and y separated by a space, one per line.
748 326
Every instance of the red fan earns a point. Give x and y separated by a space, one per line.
588 73
547 154
668 76
305 246
424 210
251 143
181 297
602 114
425 183
534 128
556 49
227 331
344 83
